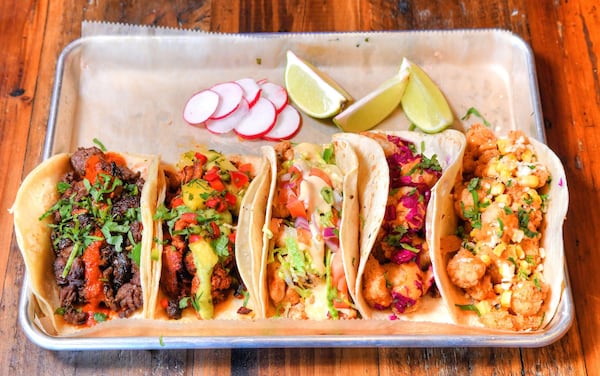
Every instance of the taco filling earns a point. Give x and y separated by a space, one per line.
501 202
96 238
398 271
305 269
199 225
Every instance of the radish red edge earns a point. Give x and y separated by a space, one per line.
231 94
251 88
228 123
276 94
200 107
259 121
287 125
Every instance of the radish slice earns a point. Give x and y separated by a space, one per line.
231 96
287 125
201 106
228 123
259 120
276 94
251 90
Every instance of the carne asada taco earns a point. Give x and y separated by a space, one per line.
501 259
310 244
399 176
197 273
83 222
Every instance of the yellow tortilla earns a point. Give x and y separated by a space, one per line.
35 196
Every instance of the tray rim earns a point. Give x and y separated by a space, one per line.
532 340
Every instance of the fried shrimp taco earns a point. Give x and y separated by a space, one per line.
400 174
310 248
83 222
501 259
197 272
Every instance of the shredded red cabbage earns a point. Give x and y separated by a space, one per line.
401 302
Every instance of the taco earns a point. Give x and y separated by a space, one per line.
83 222
500 258
197 272
310 245
400 174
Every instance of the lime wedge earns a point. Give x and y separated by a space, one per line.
424 104
374 107
311 90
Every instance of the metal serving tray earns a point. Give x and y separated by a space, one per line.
129 92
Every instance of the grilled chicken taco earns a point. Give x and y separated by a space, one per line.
83 222
310 248
400 173
197 274
501 259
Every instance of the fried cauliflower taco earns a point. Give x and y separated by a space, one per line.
399 176
310 245
501 259
83 222
197 271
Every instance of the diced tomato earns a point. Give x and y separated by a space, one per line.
239 179
230 198
201 158
189 217
315 171
296 208
245 168
295 173
176 201
232 237
217 184
194 238
164 302
212 174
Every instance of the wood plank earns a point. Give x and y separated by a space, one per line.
570 101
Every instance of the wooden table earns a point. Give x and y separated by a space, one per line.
565 38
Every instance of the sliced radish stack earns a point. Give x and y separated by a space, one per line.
231 95
252 109
251 90
259 120
201 106
228 123
275 93
286 126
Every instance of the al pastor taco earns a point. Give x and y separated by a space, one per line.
500 258
83 222
197 272
400 174
310 249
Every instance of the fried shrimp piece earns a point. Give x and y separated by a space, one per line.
375 285
276 284
406 280
481 148
465 270
527 298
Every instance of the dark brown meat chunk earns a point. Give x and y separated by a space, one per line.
80 156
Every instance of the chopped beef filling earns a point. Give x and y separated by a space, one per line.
101 217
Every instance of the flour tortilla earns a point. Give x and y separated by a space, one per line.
373 191
247 266
35 196
347 161
552 242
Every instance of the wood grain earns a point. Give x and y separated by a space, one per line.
564 36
